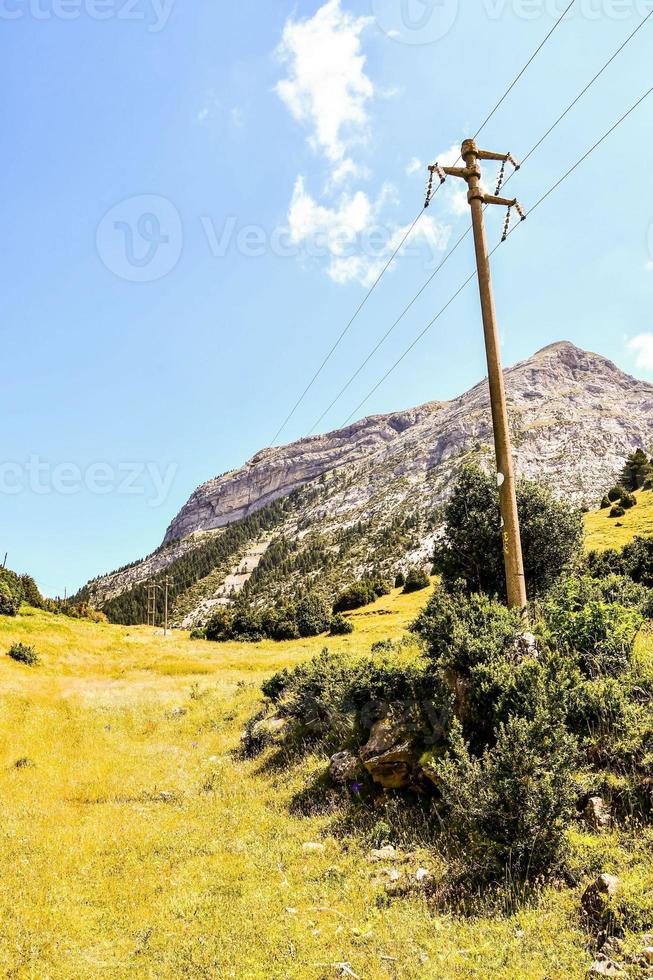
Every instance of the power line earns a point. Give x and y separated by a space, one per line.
345 331
405 237
469 228
473 274
389 330
526 66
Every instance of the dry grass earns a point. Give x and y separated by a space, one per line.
604 532
136 842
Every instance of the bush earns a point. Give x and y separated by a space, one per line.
601 633
219 626
508 810
340 626
9 603
400 580
356 595
617 511
313 616
606 502
463 630
31 593
616 493
23 654
628 500
472 549
198 633
416 579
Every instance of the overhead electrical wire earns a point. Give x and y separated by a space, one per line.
543 198
459 241
393 256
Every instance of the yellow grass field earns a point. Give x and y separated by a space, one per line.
135 841
606 532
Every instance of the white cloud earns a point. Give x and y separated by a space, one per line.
327 87
414 166
649 265
348 169
352 236
642 346
450 157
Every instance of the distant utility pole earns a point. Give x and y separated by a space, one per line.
165 606
151 603
471 172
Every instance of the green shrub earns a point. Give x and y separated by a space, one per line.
353 597
198 633
313 615
606 502
9 603
581 621
416 580
400 580
617 511
508 810
23 654
628 500
472 549
340 626
616 493
463 630
31 593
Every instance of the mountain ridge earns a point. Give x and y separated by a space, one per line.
574 417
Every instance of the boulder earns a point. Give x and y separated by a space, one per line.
604 967
386 853
344 767
389 755
597 813
596 902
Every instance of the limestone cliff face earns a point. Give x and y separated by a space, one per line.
275 473
574 418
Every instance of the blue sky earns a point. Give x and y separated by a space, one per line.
196 195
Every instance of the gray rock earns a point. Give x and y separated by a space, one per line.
597 813
385 853
344 767
603 966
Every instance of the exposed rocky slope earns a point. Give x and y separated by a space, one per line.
574 415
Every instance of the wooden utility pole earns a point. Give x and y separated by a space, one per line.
151 603
165 606
471 172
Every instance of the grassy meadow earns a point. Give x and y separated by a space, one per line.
607 532
135 840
